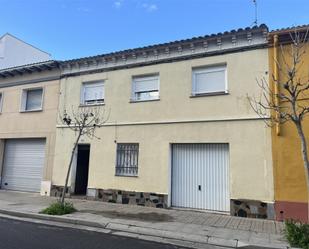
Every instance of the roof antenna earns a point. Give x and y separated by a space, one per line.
255 13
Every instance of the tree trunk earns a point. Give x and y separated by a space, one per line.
305 158
69 169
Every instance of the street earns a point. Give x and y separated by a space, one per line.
17 234
24 235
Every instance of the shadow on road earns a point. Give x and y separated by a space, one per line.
154 217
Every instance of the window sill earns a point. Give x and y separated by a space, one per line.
90 105
135 176
36 110
209 94
146 100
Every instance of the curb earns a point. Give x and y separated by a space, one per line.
142 231
53 218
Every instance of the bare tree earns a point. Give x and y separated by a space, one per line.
82 122
287 99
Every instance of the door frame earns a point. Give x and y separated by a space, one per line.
3 143
74 168
170 175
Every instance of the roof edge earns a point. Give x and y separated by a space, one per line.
29 68
262 27
299 28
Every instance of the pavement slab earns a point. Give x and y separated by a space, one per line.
233 223
245 224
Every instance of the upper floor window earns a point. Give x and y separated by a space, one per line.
92 93
145 88
32 99
209 80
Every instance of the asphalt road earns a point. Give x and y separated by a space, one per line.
25 235
16 234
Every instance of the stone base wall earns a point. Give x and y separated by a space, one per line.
119 196
241 208
252 209
56 191
132 198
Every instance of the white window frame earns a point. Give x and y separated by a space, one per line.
24 99
137 78
83 92
1 101
209 69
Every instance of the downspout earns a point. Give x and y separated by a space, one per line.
275 89
275 80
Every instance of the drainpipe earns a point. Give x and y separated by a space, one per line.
276 77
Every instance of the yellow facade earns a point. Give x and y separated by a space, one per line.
291 194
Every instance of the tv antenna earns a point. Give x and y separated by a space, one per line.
255 13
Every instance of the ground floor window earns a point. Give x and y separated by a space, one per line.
127 159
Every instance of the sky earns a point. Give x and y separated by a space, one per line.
70 29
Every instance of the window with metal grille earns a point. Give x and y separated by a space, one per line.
127 160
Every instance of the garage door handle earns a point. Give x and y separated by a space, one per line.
199 187
6 184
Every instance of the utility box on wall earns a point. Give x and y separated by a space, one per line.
45 188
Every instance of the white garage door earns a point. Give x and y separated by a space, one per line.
200 176
23 164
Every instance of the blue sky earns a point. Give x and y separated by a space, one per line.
76 28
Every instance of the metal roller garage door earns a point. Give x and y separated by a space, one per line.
200 176
23 164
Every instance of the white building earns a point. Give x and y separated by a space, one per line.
15 52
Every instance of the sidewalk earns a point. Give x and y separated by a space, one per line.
194 229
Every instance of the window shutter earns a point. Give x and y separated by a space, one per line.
146 84
208 81
93 92
34 99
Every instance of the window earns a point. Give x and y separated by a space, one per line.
127 160
92 93
145 88
209 80
32 99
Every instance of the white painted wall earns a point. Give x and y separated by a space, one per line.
15 52
175 118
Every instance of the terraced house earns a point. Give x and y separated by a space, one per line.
291 193
29 103
180 133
